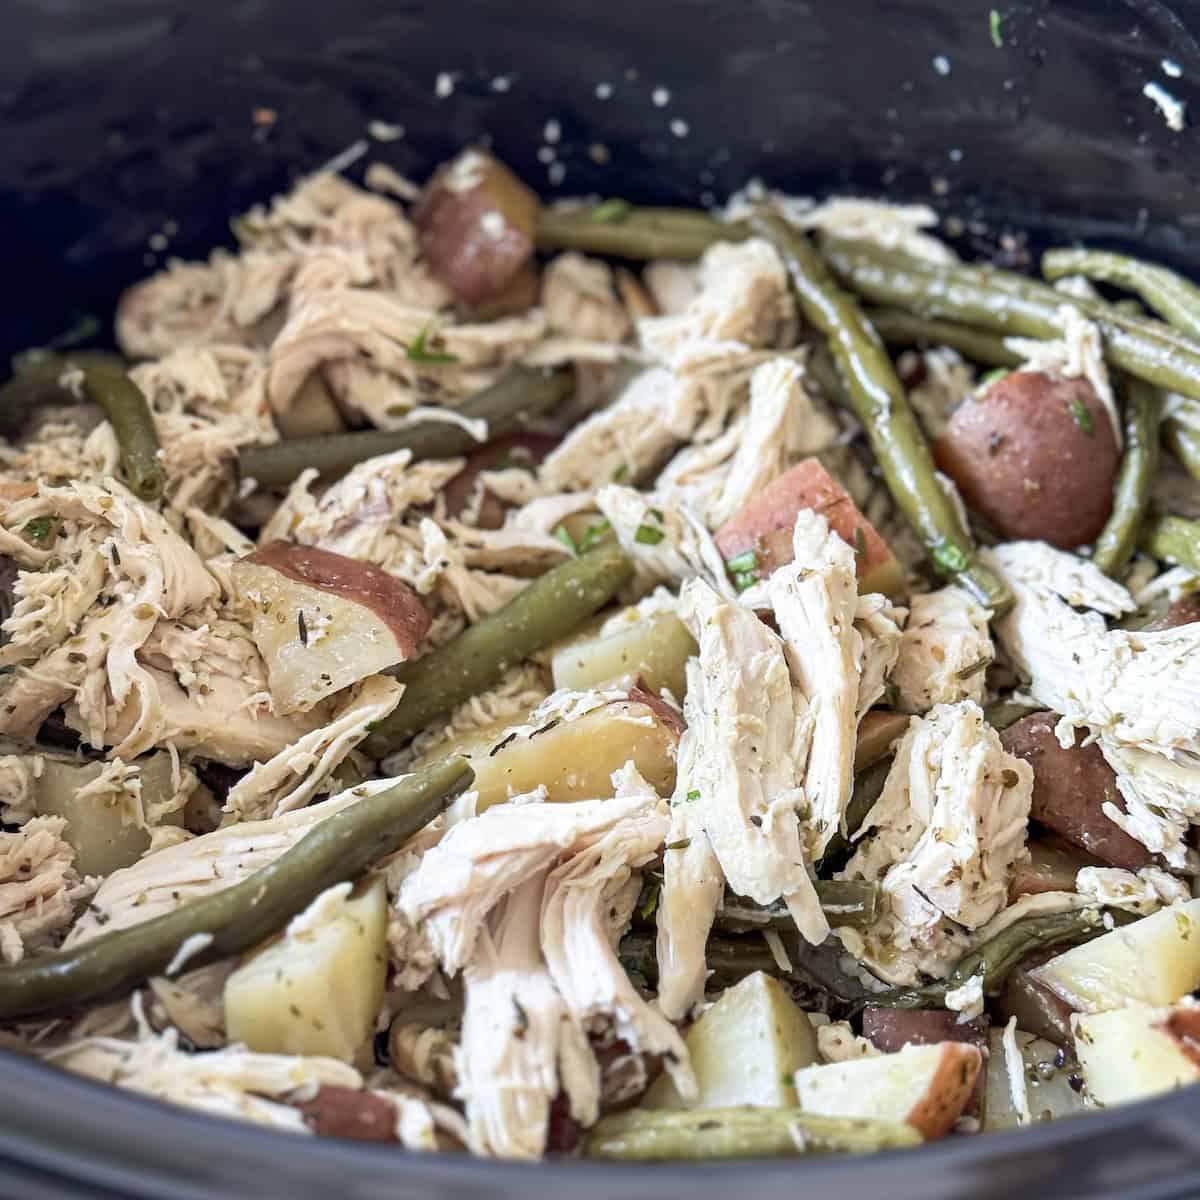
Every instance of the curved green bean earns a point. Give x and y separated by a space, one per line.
1184 442
881 405
619 230
1175 299
1011 304
241 916
900 328
1173 540
851 902
521 392
104 381
651 1135
552 606
1135 479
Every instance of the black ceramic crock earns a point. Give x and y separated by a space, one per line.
130 130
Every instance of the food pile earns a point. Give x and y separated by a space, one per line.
591 680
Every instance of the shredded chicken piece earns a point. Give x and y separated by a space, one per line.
1142 892
837 1042
579 300
944 652
19 774
947 381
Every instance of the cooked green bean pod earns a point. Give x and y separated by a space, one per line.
1173 540
1175 299
1000 714
104 380
868 785
996 958
1184 442
620 230
241 916
900 328
520 393
1011 304
879 401
850 902
552 606
1135 479
651 1135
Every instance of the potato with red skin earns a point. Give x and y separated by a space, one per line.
508 450
1069 789
764 525
1052 866
1183 611
340 1112
1037 1009
475 222
1035 456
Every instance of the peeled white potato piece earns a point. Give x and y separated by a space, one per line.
653 649
744 1050
318 987
1130 1053
925 1086
1154 961
322 621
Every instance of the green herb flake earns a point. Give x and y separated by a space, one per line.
744 580
611 211
994 20
860 542
891 693
692 796
949 558
740 563
41 529
1083 418
650 904
621 473
980 664
682 844
417 351
593 534
562 535
647 535
993 376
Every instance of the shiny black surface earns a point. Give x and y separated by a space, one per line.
128 133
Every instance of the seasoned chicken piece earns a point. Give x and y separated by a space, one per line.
19 775
1137 692
63 450
945 382
753 739
518 1047
944 652
945 835
1142 892
578 296
291 779
814 599
234 1082
39 887
587 902
878 623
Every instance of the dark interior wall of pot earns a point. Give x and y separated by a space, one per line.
131 129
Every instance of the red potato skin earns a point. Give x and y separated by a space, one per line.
348 1113
475 263
1069 789
1183 1027
510 449
1183 611
671 717
1022 461
1038 1010
1054 863
395 603
765 524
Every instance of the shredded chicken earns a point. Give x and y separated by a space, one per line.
944 653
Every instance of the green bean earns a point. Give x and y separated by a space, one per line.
105 381
850 902
900 328
239 917
1184 442
881 405
1011 304
1175 299
868 786
1135 479
552 606
651 1135
619 230
997 957
521 392
1173 540
1000 714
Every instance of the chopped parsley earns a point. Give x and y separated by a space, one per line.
993 376
593 535
621 473
740 563
694 794
744 580
41 529
561 534
612 211
949 558
417 350
891 693
1083 418
650 903
647 535
682 844
860 542
994 20
974 669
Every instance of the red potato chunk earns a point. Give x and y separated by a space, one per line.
476 225
1052 867
1070 788
323 621
509 450
342 1112
1183 611
1037 1009
764 526
1035 456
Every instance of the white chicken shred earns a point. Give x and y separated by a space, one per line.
944 652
